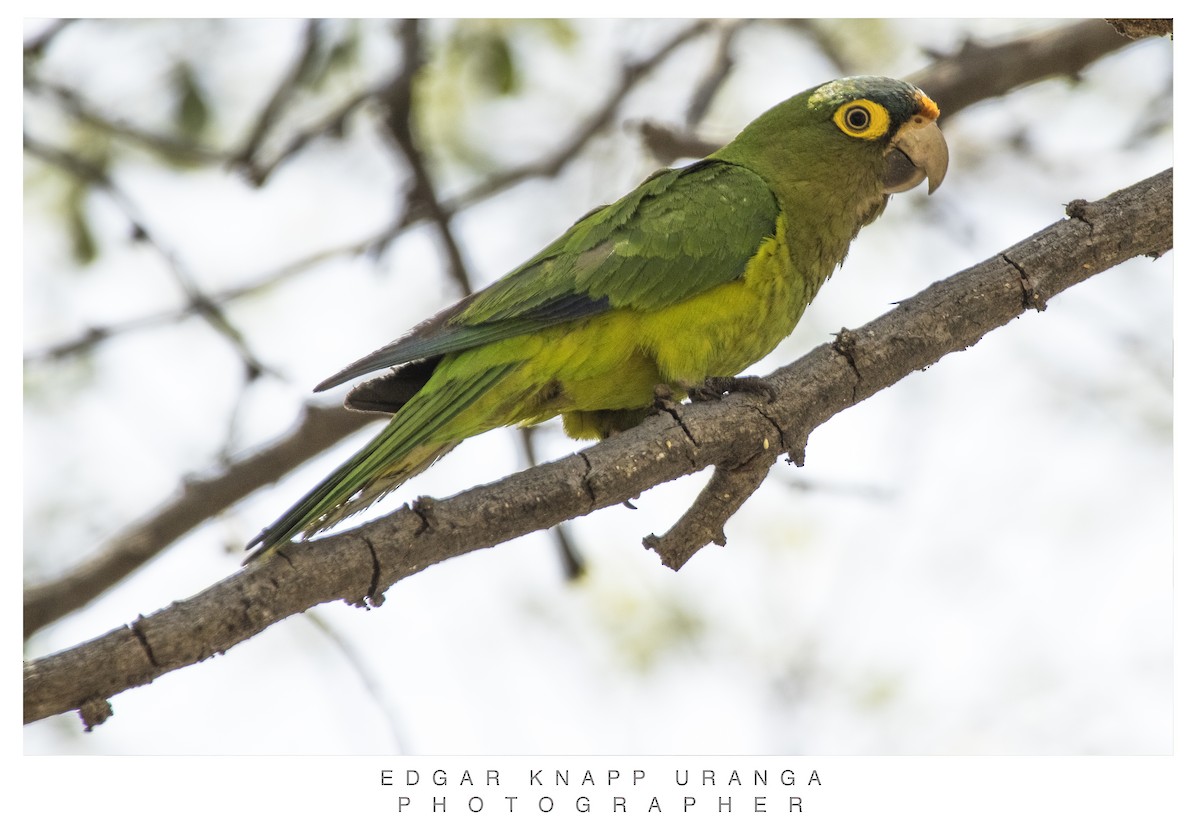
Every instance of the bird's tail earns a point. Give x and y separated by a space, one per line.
418 435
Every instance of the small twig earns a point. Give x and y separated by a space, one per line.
397 97
722 65
335 122
866 491
163 145
704 522
96 335
667 144
361 668
70 163
212 312
282 94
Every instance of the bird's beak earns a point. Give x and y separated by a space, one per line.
917 152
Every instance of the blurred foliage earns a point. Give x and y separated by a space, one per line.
337 51
474 62
191 104
83 240
484 55
47 388
878 690
641 626
67 187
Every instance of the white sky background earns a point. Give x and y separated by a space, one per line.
982 563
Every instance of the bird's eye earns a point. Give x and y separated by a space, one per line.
862 118
858 118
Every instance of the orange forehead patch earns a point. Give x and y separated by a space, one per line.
926 106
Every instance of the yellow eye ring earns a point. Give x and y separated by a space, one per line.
862 118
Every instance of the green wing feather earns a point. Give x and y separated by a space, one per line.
683 231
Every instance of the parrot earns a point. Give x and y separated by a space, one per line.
689 279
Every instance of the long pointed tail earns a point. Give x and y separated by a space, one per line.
415 438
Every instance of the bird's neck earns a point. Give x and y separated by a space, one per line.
823 220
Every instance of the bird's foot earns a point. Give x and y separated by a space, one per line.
664 398
716 387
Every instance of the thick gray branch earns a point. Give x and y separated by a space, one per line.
357 566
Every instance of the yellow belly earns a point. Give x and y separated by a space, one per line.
611 363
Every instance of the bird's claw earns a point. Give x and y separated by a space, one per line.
664 398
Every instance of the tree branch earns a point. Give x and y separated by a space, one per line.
979 72
334 123
358 565
722 65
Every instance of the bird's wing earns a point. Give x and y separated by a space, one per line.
683 231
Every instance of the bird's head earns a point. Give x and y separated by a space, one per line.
878 135
888 118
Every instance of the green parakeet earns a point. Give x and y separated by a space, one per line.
698 273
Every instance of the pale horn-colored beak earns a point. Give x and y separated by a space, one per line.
917 152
